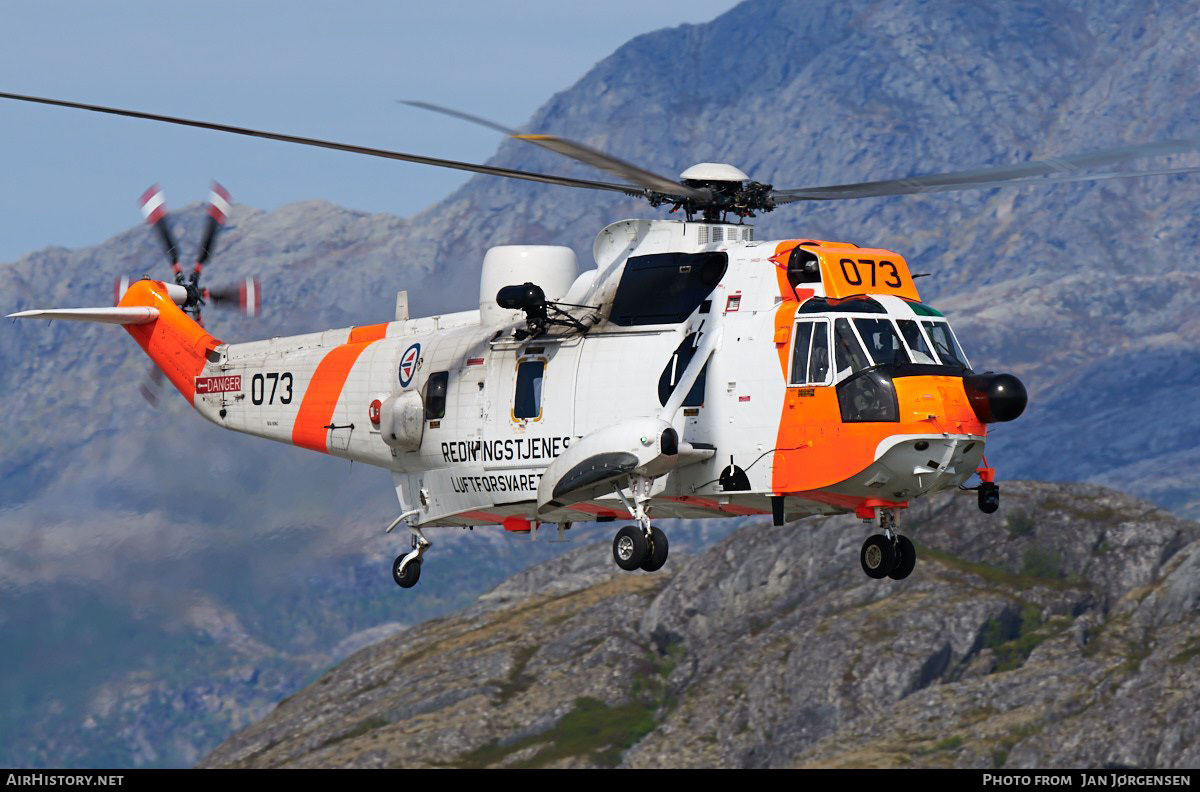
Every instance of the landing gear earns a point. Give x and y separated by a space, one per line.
406 575
888 554
642 546
658 550
406 569
877 556
906 559
631 548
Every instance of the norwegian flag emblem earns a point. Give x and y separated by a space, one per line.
408 364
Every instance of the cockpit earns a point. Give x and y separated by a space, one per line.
860 344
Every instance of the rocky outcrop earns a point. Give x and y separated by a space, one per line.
1061 631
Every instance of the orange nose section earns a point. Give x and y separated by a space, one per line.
175 343
816 448
937 403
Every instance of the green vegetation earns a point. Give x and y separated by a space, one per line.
1192 651
591 730
948 744
1019 524
999 757
594 731
1013 642
992 574
1042 564
518 681
360 728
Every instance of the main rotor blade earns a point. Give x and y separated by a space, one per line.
578 151
490 170
1050 171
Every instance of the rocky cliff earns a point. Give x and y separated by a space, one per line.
1060 632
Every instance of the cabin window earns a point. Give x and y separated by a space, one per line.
665 288
674 369
945 344
921 353
435 395
848 352
527 401
882 342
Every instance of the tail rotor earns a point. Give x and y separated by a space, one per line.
244 296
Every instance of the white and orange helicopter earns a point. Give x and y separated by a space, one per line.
693 372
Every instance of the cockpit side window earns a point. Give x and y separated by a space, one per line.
945 344
882 341
800 343
921 353
848 352
818 359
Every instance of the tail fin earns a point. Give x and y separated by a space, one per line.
177 344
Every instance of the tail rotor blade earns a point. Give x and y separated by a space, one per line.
154 209
218 212
245 295
152 386
120 286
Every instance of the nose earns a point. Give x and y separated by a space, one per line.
995 397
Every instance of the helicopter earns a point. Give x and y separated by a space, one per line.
694 372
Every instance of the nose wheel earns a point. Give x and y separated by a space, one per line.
888 554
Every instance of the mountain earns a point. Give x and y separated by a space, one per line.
1062 635
120 521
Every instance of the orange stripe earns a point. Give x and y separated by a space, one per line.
359 335
175 343
321 398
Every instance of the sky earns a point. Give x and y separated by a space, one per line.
323 70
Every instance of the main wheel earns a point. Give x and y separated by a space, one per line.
658 550
630 548
877 557
906 559
410 574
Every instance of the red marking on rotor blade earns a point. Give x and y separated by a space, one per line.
321 398
155 214
368 333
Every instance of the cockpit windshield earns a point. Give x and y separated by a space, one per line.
921 353
847 352
882 342
945 344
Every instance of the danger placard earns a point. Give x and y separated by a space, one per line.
205 385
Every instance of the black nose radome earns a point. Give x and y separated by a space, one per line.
995 397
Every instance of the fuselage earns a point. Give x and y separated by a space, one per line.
831 388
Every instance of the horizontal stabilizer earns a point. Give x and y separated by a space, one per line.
131 315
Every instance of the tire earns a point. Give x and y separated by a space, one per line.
630 548
658 550
411 574
877 556
906 559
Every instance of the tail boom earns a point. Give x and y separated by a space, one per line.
177 344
